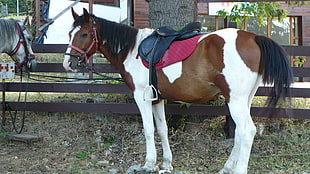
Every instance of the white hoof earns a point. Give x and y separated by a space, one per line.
224 171
164 171
137 169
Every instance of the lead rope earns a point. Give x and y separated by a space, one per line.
14 115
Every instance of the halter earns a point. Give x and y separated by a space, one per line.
84 57
28 56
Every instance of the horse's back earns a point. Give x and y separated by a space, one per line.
222 60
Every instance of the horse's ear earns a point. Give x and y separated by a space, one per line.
26 21
74 14
86 15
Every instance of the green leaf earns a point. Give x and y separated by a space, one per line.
260 10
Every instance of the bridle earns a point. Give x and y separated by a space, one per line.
84 57
28 56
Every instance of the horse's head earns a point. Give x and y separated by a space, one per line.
22 53
83 41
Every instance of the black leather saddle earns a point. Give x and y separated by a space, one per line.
153 47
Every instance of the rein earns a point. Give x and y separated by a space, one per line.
15 50
28 60
84 57
14 115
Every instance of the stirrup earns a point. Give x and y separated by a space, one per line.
153 90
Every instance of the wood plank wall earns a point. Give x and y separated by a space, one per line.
104 2
305 30
141 14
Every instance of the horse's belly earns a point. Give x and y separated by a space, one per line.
189 93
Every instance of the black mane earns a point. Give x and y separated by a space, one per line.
119 38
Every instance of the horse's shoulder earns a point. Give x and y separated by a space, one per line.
143 33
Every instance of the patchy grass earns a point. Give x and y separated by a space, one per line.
100 143
295 102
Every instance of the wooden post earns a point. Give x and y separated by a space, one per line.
195 10
291 40
130 12
90 7
3 102
269 28
26 4
38 16
216 23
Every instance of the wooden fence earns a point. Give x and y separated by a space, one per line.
121 108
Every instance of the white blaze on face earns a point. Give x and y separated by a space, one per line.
66 63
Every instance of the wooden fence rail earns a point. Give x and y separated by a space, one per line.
121 108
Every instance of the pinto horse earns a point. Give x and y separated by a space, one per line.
16 41
229 61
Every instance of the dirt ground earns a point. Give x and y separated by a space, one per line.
99 143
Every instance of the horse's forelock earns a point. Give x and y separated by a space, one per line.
81 21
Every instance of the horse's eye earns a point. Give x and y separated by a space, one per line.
84 35
29 39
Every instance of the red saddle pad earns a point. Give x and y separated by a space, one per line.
177 51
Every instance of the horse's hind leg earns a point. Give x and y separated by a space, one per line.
244 135
159 115
231 162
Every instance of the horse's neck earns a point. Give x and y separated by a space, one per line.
142 34
116 61
9 41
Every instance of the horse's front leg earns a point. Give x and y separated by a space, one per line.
159 115
145 108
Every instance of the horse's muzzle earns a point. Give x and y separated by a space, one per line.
31 63
74 64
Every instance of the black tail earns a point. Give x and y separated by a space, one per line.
275 68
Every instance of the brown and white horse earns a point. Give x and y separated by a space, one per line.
230 61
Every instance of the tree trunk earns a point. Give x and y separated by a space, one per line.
173 13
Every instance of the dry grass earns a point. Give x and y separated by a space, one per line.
98 143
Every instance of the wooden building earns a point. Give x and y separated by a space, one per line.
138 14
37 17
299 19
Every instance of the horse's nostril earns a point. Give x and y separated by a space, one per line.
74 64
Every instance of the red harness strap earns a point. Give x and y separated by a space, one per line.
94 42
20 42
